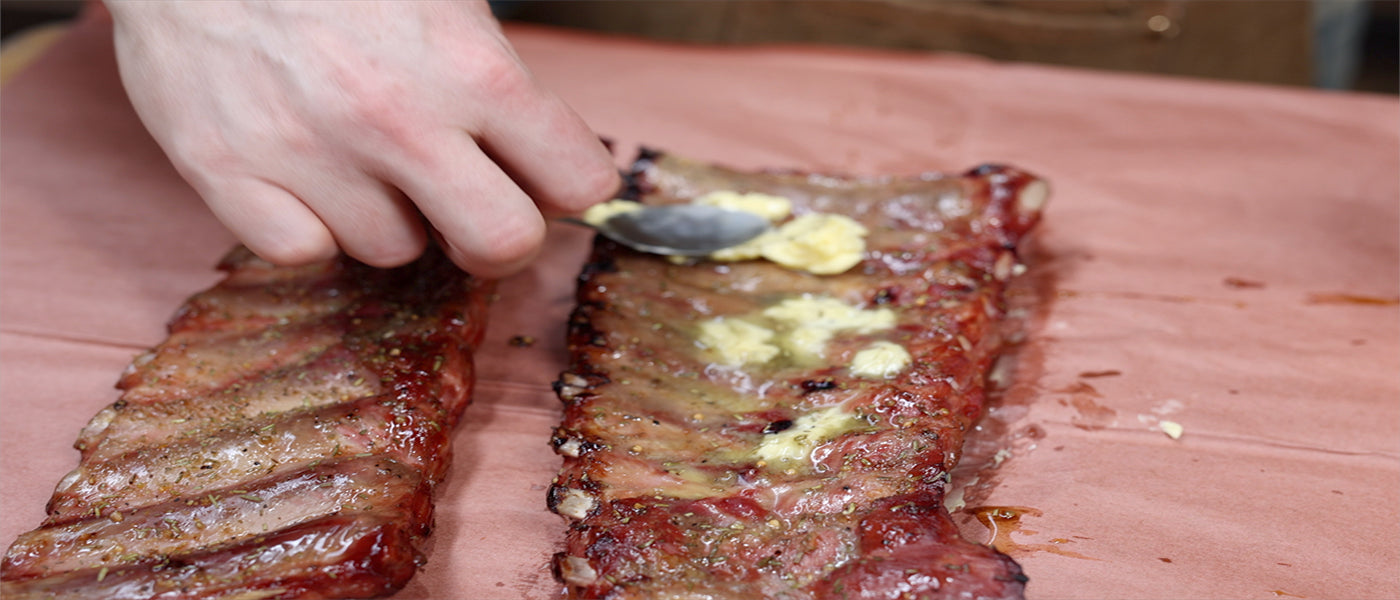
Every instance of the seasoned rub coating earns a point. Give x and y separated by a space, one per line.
282 442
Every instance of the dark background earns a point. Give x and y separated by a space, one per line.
1269 41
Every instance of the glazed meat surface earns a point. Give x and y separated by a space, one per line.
688 477
282 442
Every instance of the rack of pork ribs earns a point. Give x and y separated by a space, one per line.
282 442
662 487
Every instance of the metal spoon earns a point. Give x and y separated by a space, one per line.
680 229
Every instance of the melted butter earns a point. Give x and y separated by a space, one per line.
811 321
821 244
768 206
796 443
818 243
880 360
800 327
599 213
737 342
746 251
807 342
687 483
1002 521
825 312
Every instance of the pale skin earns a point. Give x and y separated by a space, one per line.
314 127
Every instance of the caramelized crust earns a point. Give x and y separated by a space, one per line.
663 482
282 442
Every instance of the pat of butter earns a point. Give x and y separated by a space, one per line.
811 321
737 342
800 326
880 360
1172 429
600 213
768 206
807 432
825 312
821 244
746 251
807 342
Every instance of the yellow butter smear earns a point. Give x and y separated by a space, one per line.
811 321
807 432
818 243
798 328
821 244
737 341
880 360
600 213
768 206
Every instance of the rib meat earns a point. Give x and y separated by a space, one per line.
282 442
666 491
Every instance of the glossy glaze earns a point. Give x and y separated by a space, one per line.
283 442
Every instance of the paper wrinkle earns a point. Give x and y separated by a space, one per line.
72 339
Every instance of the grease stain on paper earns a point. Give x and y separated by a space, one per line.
1169 298
1354 299
1098 374
1092 415
1241 283
1002 521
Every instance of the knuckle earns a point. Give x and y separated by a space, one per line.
512 241
212 156
501 248
295 250
589 187
501 77
202 160
388 253
379 115
383 114
596 184
368 105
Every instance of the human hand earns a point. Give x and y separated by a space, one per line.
311 125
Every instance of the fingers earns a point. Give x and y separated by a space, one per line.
270 221
483 220
371 220
299 124
487 224
551 153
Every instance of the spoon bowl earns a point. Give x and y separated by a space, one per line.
680 229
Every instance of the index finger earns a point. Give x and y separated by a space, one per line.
486 223
547 148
